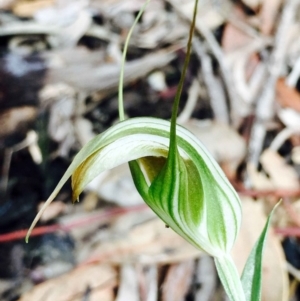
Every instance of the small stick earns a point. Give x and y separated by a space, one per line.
191 102
265 103
293 271
214 88
293 77
219 55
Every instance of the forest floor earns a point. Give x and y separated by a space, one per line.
59 73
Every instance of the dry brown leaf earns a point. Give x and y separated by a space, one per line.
233 38
25 8
259 180
128 289
178 281
223 142
100 279
90 201
206 275
50 270
253 3
268 15
54 210
116 185
90 76
291 119
149 283
275 278
150 242
7 4
287 96
287 215
209 13
16 119
282 175
63 108
83 130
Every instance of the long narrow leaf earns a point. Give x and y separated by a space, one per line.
252 274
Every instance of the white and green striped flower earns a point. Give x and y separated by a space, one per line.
179 180
187 189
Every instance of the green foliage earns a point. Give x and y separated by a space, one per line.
251 277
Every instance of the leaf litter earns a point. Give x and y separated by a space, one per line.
240 98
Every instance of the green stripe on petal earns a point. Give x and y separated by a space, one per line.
188 190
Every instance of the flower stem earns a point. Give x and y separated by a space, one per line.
230 278
121 81
181 81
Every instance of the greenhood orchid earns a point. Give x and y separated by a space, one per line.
178 179
176 189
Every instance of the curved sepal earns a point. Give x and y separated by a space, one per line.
186 187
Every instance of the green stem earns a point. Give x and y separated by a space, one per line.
121 81
181 81
230 278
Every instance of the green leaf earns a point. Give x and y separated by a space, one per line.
252 273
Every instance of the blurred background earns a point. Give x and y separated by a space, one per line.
59 73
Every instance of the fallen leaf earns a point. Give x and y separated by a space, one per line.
258 180
54 210
281 174
16 119
116 185
223 142
91 75
27 9
101 279
210 13
178 281
234 38
147 243
287 96
128 289
149 287
268 15
290 118
252 3
206 275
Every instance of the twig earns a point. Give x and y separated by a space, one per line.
265 104
219 55
7 159
128 289
291 211
191 102
24 28
239 60
293 77
293 271
206 275
224 68
278 193
288 231
214 88
282 136
104 216
152 277
242 25
5 169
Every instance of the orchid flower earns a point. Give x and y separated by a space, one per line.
179 180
